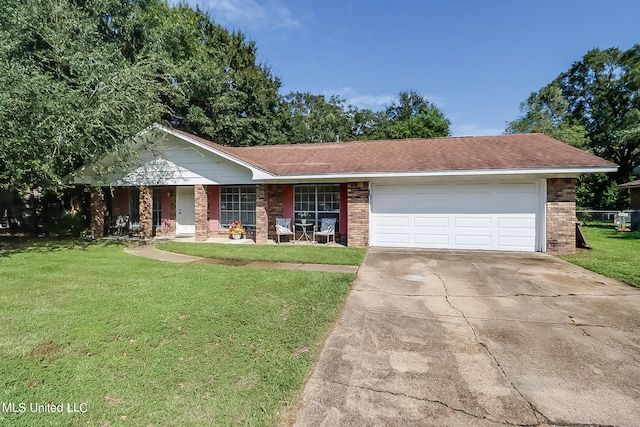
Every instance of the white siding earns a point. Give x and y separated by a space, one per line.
181 163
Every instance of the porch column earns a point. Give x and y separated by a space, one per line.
97 213
146 212
201 212
358 214
262 217
561 215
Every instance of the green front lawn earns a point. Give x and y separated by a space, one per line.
298 253
614 254
133 341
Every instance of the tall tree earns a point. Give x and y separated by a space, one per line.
218 91
599 96
413 116
313 118
66 96
79 78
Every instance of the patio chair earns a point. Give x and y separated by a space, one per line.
327 228
283 228
122 224
4 217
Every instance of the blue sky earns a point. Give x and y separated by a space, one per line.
475 60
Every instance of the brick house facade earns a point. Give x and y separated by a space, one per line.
211 185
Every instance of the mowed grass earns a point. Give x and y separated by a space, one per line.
298 253
614 254
144 342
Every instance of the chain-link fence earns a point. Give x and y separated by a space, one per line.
630 219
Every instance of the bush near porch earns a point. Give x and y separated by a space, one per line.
144 342
614 254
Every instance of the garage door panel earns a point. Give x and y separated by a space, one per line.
392 221
517 222
483 222
431 222
393 239
431 240
516 242
470 216
467 240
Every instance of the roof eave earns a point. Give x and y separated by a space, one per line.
568 172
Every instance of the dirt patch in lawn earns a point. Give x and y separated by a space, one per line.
45 349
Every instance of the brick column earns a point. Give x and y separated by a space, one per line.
262 217
146 212
358 214
97 213
201 212
274 208
561 215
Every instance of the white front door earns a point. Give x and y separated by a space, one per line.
186 211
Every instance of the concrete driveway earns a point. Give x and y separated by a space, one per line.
443 338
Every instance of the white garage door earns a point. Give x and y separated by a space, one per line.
470 216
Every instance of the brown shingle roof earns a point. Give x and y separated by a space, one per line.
513 151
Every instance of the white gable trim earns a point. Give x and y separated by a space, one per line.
258 174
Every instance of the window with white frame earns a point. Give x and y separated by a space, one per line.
157 207
238 203
317 202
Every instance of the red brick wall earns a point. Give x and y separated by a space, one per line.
344 196
358 214
146 212
168 227
561 215
201 212
97 213
287 202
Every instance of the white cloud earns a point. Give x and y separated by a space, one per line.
373 102
254 14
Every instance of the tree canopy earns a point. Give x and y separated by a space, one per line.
79 79
594 105
413 116
312 118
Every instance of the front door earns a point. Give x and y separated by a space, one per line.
186 211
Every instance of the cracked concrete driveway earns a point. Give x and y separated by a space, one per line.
477 338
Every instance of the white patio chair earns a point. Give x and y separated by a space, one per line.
327 228
122 224
4 217
283 228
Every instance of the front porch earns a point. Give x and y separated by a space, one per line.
205 212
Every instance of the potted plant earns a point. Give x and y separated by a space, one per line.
303 217
236 231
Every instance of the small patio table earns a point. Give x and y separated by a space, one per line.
304 234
